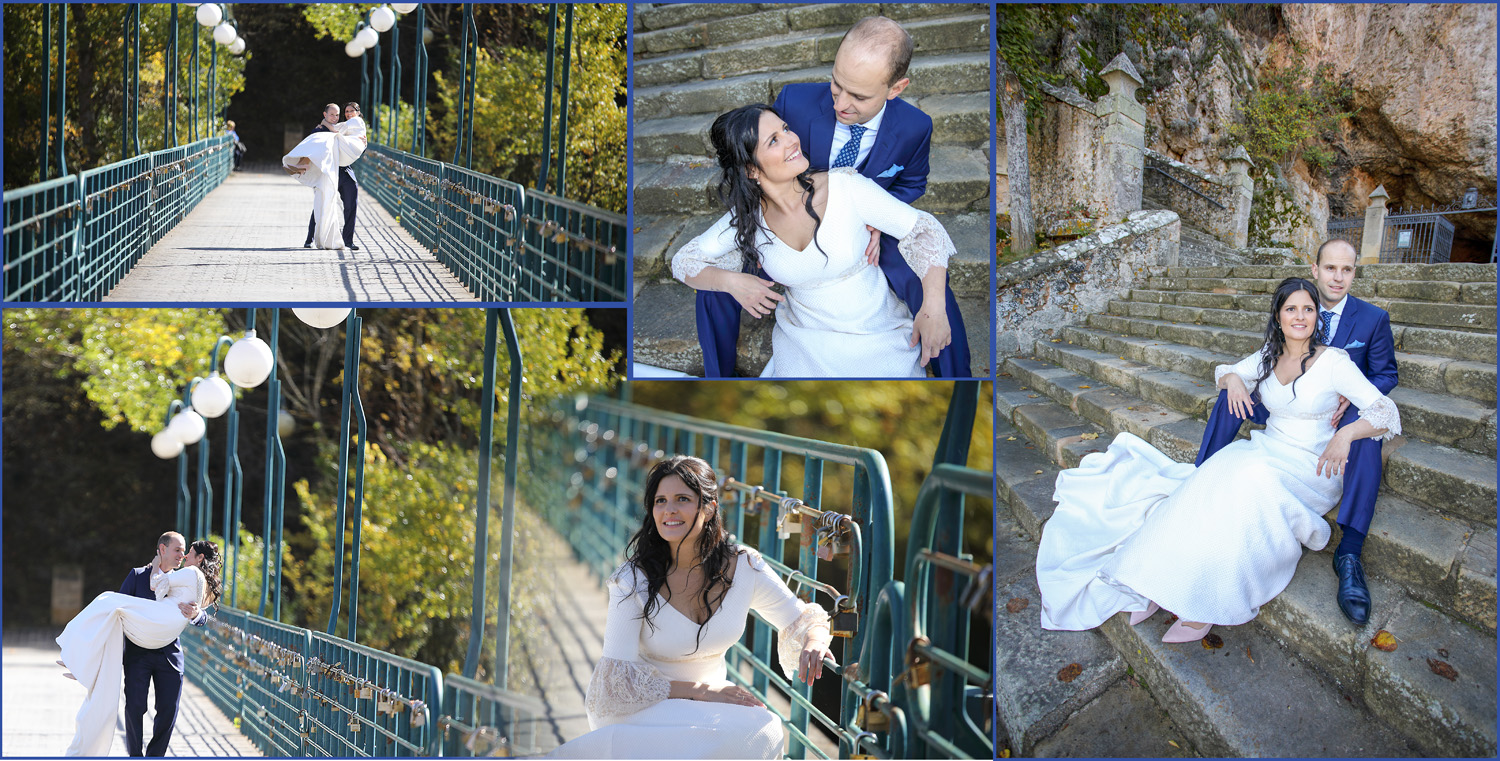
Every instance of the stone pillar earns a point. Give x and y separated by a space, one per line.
1120 158
1243 193
1369 246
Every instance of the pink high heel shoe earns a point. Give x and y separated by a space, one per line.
1181 631
1142 615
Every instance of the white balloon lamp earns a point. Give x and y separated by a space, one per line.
212 396
187 427
224 33
367 37
403 8
248 362
237 47
383 18
210 14
321 318
353 49
165 445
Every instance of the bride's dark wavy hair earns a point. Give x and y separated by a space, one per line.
211 567
652 554
1276 342
735 136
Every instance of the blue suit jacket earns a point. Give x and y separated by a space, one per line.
1365 333
897 160
138 584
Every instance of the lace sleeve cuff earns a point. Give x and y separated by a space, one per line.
621 688
927 245
810 627
1223 370
1383 414
692 259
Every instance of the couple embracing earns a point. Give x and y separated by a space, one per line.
321 161
818 190
131 636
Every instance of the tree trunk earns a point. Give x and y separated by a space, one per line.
1017 161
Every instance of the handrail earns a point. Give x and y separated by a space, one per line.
502 241
74 238
1185 186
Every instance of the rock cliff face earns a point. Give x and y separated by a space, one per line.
1423 83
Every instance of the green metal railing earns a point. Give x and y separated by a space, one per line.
484 720
504 242
73 238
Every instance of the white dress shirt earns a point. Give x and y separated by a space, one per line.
866 142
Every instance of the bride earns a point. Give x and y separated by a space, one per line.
1135 530
661 689
315 163
807 231
93 647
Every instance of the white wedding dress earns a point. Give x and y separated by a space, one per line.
627 702
327 151
1212 543
840 318
93 648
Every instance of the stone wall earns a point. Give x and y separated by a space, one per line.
1229 221
1041 295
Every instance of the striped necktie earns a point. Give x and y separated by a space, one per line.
850 152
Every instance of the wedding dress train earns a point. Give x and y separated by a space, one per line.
1213 543
326 152
93 648
840 317
627 702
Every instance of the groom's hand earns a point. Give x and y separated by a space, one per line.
753 293
189 610
872 251
1338 414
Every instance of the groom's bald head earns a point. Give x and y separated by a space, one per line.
880 41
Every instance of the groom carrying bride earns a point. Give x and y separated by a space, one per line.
163 666
856 120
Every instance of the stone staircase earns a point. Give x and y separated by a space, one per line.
1299 680
694 61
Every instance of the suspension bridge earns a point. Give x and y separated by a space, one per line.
177 224
909 685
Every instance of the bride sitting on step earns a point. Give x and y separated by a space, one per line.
1135 530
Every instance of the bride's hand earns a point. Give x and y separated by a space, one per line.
1240 403
810 665
931 329
1335 456
753 293
872 251
730 693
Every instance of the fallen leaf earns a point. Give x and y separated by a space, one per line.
1010 438
1085 386
1442 669
1069 672
1174 744
1248 655
1212 641
1032 396
1384 640
1057 340
1038 472
1090 436
1443 652
1004 753
1016 605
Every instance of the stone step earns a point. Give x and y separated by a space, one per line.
759 22
948 74
1443 717
958 180
665 332
956 120
1451 481
1255 697
1426 372
796 49
1479 274
1458 344
1423 303
1437 417
658 238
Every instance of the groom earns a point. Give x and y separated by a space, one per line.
348 187
1364 331
163 666
856 120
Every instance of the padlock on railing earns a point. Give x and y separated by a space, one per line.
788 520
855 743
918 668
845 620
870 718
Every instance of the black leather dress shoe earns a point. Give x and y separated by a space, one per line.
307 244
1354 596
353 247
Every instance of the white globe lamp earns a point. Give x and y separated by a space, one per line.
187 427
248 362
285 423
212 396
321 318
353 49
224 33
403 8
383 18
237 47
165 445
367 37
210 14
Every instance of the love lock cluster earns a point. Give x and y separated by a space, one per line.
388 702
